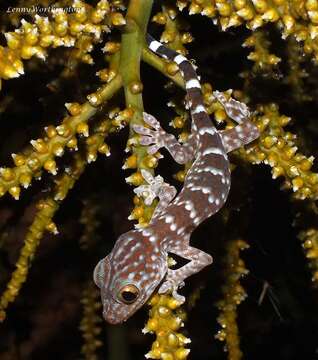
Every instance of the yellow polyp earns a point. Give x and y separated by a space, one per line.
159 18
150 162
137 212
297 183
220 115
94 99
152 324
52 228
18 159
25 180
72 144
73 108
117 19
135 179
82 129
39 145
233 295
111 47
180 175
63 130
34 164
91 156
194 9
182 354
131 162
178 122
50 131
172 68
15 192
50 166
103 74
165 323
136 87
57 150
7 174
277 171
104 149
163 311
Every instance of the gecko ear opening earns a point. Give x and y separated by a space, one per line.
99 273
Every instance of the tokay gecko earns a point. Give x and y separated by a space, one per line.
136 266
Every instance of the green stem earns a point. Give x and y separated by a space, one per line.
132 43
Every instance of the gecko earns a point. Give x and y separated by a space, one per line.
137 264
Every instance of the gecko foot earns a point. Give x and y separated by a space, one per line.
236 110
171 286
156 188
151 191
152 137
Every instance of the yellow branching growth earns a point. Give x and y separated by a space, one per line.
91 322
90 223
165 320
53 145
296 72
80 29
263 60
233 295
277 148
109 36
43 221
296 18
173 35
309 240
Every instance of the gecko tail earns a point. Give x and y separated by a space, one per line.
192 83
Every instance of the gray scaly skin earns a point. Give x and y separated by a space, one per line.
136 266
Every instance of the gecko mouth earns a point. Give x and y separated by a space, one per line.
114 319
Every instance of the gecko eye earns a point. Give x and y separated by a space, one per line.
128 294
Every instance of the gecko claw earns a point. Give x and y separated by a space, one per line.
170 285
152 121
152 137
236 110
151 191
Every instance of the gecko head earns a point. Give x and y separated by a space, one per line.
127 281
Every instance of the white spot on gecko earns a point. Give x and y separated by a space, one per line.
193 84
213 150
207 130
179 59
154 45
198 109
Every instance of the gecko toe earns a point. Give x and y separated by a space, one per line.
152 121
146 140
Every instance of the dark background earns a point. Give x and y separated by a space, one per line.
43 323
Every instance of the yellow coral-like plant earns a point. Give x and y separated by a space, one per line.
165 320
91 322
277 148
115 30
309 240
233 295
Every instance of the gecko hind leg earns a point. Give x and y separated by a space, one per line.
156 188
155 138
175 278
239 135
242 134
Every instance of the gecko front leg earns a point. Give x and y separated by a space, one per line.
198 259
242 134
156 138
156 188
